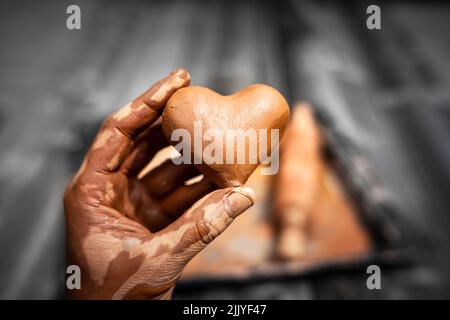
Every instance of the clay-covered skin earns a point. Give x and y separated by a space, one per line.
132 237
257 107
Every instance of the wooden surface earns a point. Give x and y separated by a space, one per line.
387 91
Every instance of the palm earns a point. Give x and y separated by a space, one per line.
131 198
125 231
135 200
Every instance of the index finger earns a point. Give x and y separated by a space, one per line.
119 131
136 116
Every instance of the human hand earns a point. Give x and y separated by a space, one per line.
132 237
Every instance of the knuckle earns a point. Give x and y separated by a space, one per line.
204 231
107 123
111 123
152 102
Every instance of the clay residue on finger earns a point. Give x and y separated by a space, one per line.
113 164
162 90
123 112
102 139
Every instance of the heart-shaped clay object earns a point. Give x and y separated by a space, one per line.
223 128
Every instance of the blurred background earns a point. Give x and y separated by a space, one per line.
381 97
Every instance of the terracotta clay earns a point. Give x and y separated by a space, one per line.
257 107
301 167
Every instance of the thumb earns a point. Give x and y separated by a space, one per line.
208 218
215 216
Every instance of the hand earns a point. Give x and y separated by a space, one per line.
132 237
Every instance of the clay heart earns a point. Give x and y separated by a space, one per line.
224 133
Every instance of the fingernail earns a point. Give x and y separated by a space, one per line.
181 73
239 200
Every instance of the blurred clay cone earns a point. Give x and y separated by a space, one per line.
297 183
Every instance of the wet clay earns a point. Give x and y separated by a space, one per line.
256 107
